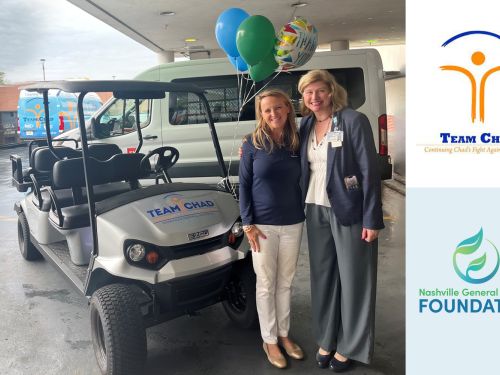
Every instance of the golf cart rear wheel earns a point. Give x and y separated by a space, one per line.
28 250
118 334
240 304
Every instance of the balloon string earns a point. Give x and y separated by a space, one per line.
239 78
247 98
262 88
245 101
293 14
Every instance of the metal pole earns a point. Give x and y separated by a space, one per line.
43 68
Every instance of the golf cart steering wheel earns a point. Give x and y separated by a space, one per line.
167 157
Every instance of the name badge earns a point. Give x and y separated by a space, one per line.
335 138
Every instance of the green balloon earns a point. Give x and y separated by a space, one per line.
255 39
264 68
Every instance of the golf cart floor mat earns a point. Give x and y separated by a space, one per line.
60 249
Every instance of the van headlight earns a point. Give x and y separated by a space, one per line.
136 252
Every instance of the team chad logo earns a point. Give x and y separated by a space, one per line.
478 58
475 261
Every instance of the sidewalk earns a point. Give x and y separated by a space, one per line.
398 183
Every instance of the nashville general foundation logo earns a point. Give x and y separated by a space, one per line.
474 271
475 261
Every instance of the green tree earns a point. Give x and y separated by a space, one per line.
2 76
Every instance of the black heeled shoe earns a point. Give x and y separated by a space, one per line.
339 366
323 359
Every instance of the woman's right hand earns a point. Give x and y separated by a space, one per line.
240 150
253 238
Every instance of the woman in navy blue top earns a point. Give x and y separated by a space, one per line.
273 216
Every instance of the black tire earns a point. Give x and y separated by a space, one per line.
28 250
118 333
240 303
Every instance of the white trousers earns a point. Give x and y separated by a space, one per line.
275 267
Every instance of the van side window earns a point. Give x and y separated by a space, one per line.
222 95
119 118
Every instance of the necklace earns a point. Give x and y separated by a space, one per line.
320 134
326 118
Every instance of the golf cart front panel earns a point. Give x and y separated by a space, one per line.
189 229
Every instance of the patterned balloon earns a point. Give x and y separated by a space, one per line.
296 44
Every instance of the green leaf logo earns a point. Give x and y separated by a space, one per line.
470 246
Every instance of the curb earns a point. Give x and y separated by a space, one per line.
13 145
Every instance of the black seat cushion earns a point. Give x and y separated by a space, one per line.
64 199
109 178
73 217
103 151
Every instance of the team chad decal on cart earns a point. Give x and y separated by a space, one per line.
176 207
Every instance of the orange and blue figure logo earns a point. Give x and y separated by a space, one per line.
478 58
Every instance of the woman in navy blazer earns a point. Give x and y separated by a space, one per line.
342 190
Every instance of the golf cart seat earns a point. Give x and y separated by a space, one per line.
42 161
109 178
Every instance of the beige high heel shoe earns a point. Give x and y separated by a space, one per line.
292 349
276 361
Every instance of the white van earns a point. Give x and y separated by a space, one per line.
178 121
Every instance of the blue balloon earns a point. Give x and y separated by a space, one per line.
238 63
226 28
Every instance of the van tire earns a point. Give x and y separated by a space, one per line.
28 250
118 333
240 305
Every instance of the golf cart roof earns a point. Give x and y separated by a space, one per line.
120 88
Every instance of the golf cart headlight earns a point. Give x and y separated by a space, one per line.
136 252
237 229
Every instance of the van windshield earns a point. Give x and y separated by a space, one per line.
119 118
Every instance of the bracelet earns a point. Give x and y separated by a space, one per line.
247 228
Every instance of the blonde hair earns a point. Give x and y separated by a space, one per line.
339 95
261 136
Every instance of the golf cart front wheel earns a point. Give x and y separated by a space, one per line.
240 303
28 250
118 334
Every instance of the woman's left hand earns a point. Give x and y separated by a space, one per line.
369 235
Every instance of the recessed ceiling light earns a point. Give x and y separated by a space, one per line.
190 40
298 5
167 13
370 18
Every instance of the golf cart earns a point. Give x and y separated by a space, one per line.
142 248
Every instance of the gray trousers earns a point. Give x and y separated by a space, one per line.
343 284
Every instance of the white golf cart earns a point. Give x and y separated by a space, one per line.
143 249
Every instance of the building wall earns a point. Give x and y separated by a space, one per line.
9 96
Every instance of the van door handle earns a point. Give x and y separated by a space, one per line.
147 137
